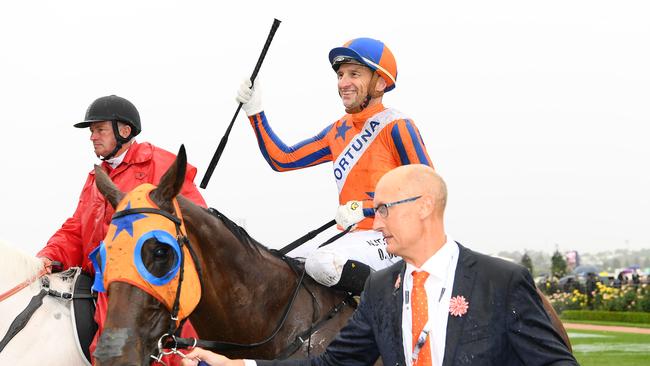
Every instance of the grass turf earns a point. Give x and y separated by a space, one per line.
622 324
597 348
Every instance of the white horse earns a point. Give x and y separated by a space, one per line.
49 337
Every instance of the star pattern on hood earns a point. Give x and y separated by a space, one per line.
126 222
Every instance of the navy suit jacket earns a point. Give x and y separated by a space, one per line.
505 323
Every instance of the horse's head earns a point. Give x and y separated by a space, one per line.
140 264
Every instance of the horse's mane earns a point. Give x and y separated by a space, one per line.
16 265
240 233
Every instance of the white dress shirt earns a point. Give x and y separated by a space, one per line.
116 160
441 268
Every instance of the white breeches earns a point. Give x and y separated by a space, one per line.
325 265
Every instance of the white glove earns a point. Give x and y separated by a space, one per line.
250 98
349 214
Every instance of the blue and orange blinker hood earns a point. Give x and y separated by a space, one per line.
119 256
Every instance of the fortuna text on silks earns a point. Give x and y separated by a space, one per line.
138 221
350 155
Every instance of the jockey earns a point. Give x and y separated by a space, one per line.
365 143
113 122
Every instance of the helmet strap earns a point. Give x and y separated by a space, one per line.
373 84
119 141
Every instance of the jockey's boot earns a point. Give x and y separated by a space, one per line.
353 277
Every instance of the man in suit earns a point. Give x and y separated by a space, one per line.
443 304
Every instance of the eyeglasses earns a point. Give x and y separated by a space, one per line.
382 209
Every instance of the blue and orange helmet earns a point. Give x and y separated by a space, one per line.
370 52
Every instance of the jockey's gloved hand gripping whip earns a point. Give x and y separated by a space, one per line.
250 97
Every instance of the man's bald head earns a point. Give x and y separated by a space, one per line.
410 203
416 179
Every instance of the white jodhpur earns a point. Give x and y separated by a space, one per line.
325 265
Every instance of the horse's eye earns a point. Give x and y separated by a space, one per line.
158 257
161 252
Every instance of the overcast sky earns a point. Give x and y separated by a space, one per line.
535 113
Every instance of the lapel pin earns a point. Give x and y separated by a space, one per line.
398 281
458 306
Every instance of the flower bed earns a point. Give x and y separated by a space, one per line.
605 298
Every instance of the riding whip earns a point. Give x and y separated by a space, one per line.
224 139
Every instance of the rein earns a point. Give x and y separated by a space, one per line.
23 284
224 346
310 235
306 335
21 320
170 341
303 239
174 343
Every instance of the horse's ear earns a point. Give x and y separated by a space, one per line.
107 187
172 181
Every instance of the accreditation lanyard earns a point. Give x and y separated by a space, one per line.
422 339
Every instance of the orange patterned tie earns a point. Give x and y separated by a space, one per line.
420 313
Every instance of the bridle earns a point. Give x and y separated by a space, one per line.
182 240
171 342
169 339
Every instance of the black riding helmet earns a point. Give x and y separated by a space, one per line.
115 109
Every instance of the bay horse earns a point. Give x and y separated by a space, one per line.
245 290
49 337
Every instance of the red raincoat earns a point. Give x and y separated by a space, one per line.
81 233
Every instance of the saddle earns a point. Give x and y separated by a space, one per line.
83 313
